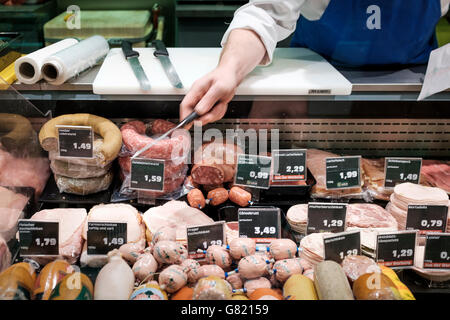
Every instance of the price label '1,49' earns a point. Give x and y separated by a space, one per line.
75 141
399 170
343 172
103 237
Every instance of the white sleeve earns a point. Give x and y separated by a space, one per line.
444 7
274 20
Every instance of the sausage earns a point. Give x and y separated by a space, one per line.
83 186
78 171
18 131
285 268
254 266
49 277
240 196
209 187
190 182
196 199
251 285
164 233
131 251
169 252
145 266
218 255
217 196
172 278
235 280
17 281
193 272
75 286
330 282
211 270
207 174
212 288
160 126
242 247
299 287
375 286
282 249
112 138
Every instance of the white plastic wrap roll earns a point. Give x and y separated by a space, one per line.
69 62
28 68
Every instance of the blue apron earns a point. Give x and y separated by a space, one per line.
348 35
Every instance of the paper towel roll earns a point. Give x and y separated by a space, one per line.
28 68
69 62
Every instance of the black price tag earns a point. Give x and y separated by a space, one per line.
396 249
437 251
399 170
201 237
253 171
102 237
427 218
261 224
289 165
338 246
147 174
326 217
75 141
38 238
343 172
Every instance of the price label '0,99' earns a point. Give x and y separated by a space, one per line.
343 172
289 165
253 171
147 174
75 141
38 238
437 251
399 170
396 249
103 237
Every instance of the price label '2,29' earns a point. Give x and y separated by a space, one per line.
343 172
396 249
147 174
38 238
289 165
253 171
75 141
399 170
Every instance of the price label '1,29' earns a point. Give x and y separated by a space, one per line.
38 238
75 141
326 217
289 165
201 237
396 249
343 172
343 244
147 174
253 171
103 237
426 218
399 170
261 224
437 251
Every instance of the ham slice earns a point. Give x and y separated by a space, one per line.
11 210
71 223
174 214
311 248
436 174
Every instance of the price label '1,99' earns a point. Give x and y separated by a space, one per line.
343 172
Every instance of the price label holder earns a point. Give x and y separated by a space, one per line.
343 172
426 218
38 238
289 165
399 170
201 237
147 174
75 141
253 171
340 245
396 249
262 224
437 252
326 217
103 237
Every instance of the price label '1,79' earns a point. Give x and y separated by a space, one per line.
75 141
399 170
38 238
343 172
396 249
253 171
147 174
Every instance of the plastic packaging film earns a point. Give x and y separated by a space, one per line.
69 62
28 68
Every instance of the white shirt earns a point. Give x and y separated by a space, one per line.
275 20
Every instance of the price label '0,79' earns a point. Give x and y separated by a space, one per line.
147 174
75 141
38 238
253 171
343 172
399 170
396 249
426 218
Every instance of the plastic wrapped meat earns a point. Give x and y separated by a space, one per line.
356 266
11 210
5 255
193 272
212 288
145 266
235 280
374 178
367 215
253 284
218 255
285 268
84 186
211 270
283 249
131 251
169 252
172 278
436 174
242 247
254 266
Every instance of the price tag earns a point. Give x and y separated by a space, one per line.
289 165
427 218
261 224
38 238
201 237
75 141
343 244
437 251
147 174
326 217
343 172
253 171
396 249
102 237
399 170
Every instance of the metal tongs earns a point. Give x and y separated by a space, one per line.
194 115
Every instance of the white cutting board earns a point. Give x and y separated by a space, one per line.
294 71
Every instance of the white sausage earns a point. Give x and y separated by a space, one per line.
218 255
172 278
283 249
131 251
169 252
145 266
193 272
253 284
242 247
254 266
115 281
285 268
235 280
211 270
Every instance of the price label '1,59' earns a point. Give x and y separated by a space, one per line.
147 174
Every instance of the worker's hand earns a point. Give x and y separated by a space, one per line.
209 95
